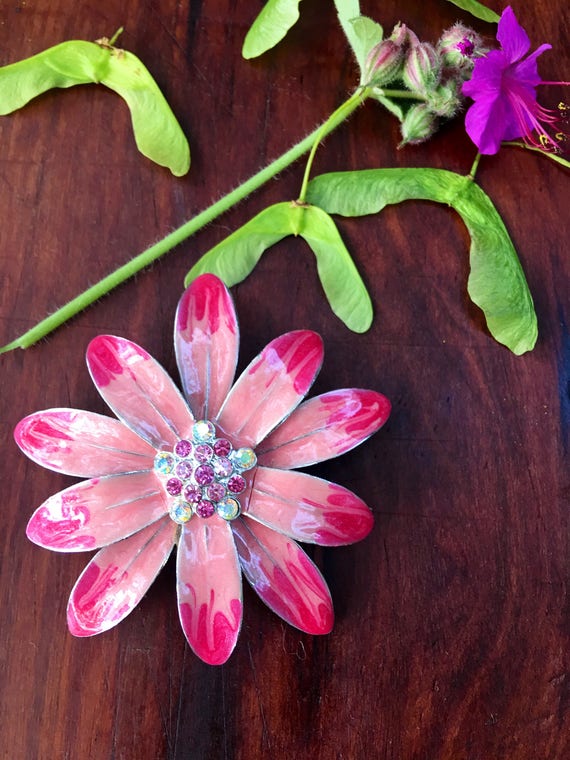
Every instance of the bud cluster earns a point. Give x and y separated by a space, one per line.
432 74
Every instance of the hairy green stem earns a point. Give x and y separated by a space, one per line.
154 252
336 118
474 167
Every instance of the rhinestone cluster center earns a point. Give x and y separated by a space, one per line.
204 475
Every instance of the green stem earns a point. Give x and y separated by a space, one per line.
474 167
402 95
154 252
336 118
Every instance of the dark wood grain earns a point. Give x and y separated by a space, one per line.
451 635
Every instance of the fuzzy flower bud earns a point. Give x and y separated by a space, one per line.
418 125
422 70
445 100
384 63
459 46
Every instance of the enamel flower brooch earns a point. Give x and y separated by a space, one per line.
210 472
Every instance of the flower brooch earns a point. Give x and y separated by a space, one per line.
210 473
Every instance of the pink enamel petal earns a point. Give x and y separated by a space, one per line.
138 390
206 339
324 427
307 508
209 588
117 578
283 576
271 386
97 512
82 443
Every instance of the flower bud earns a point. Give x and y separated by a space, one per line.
418 125
458 46
384 64
422 70
445 100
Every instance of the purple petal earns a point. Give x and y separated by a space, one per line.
526 72
487 76
97 512
206 339
485 124
82 443
513 38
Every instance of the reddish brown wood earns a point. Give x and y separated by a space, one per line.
451 638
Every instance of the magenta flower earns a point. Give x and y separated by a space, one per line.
503 86
210 473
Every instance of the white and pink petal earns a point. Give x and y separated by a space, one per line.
271 386
117 578
206 339
283 576
308 509
138 390
324 427
97 512
209 588
81 443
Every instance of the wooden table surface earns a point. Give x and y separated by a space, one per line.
451 632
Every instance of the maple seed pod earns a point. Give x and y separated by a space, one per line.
418 125
422 69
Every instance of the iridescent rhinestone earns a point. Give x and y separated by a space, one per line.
180 511
228 508
183 448
236 484
174 486
223 467
215 491
245 459
222 447
203 431
203 452
204 475
192 493
205 508
164 462
184 470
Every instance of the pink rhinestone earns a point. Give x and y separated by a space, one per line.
192 493
236 484
205 508
215 491
174 486
203 452
183 448
204 475
184 470
223 467
222 447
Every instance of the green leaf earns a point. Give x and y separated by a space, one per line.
496 281
236 256
157 133
361 32
366 34
270 26
394 108
476 9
